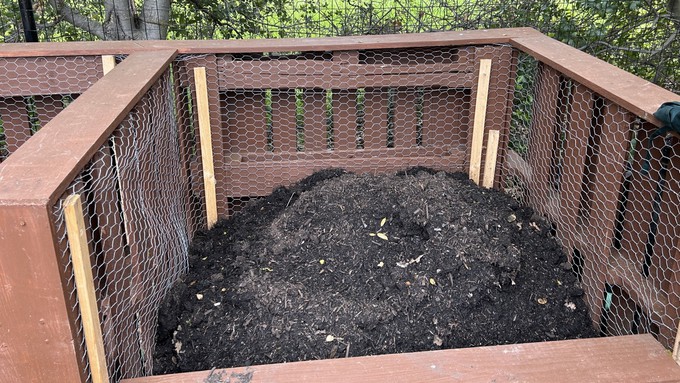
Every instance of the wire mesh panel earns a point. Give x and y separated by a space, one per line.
34 89
284 115
134 191
612 193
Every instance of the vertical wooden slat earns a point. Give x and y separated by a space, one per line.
576 141
82 269
443 109
542 135
14 115
202 104
491 158
375 118
642 191
479 120
47 107
119 328
608 181
344 119
609 175
315 120
405 118
246 130
344 105
284 123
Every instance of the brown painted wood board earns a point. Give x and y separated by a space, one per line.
315 120
38 338
481 98
613 150
641 193
542 135
344 119
311 67
284 122
87 302
117 324
368 154
246 125
202 105
48 75
209 62
405 118
634 358
345 81
77 132
47 107
277 173
375 118
639 96
664 263
14 116
444 111
413 40
576 139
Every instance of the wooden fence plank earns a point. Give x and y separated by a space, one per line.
576 140
481 98
344 119
444 111
405 118
635 358
203 107
542 136
14 116
119 327
375 118
82 269
47 107
315 120
284 121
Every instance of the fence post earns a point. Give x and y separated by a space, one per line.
36 326
202 104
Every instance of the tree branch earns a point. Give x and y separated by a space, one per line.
78 19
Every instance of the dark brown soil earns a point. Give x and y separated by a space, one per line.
347 265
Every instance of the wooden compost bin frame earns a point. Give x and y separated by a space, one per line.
37 330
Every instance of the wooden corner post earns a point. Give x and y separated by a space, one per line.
82 270
203 106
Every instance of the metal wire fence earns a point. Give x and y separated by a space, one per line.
639 36
575 156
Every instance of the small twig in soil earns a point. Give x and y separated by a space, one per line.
347 350
290 199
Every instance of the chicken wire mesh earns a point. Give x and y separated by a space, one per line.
611 193
134 193
576 157
35 89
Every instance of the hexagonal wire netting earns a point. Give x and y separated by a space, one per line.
576 157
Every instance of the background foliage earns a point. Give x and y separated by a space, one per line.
639 36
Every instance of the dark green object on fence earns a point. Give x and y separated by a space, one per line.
669 114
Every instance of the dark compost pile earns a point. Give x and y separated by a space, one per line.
347 265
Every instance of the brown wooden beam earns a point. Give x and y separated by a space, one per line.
635 358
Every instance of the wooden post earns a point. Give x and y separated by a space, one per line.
203 106
480 118
491 157
108 63
82 269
